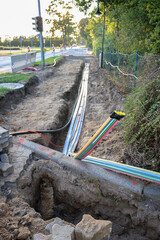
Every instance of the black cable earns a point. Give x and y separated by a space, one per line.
54 130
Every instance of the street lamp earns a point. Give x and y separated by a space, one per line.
98 13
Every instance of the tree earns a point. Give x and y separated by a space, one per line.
62 20
134 25
82 27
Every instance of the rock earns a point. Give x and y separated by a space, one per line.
24 233
91 229
40 236
6 169
56 221
4 133
4 158
23 212
65 232
26 220
3 209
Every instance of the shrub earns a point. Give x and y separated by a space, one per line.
142 124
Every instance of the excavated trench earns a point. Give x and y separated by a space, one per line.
54 190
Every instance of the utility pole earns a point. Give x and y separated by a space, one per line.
41 38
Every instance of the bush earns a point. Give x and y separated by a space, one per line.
8 48
142 124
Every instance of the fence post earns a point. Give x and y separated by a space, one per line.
118 58
136 64
105 65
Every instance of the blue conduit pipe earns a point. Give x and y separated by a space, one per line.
132 171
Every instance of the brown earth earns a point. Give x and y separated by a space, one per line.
35 112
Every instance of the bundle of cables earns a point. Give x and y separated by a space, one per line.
100 134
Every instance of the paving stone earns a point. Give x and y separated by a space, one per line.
40 236
56 221
6 169
4 158
91 229
65 232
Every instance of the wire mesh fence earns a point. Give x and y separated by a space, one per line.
130 70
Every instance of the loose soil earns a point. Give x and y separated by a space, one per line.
35 112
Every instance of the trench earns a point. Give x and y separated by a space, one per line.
56 192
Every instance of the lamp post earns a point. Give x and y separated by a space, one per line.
98 13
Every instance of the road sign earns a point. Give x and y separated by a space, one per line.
21 38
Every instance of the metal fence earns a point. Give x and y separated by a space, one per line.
129 70
20 61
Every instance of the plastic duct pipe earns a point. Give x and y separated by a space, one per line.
132 171
80 101
80 118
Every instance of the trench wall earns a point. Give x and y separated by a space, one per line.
127 202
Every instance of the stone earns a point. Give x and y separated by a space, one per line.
91 229
4 140
6 169
3 209
56 221
4 133
65 232
5 144
40 236
24 233
4 158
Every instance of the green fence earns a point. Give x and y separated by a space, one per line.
129 70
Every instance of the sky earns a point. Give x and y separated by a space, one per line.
16 17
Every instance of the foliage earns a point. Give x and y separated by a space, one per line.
5 45
84 32
14 77
60 21
131 25
142 122
82 29
3 91
8 48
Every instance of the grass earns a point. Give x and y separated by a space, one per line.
50 60
3 91
14 77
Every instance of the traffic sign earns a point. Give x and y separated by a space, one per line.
21 38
